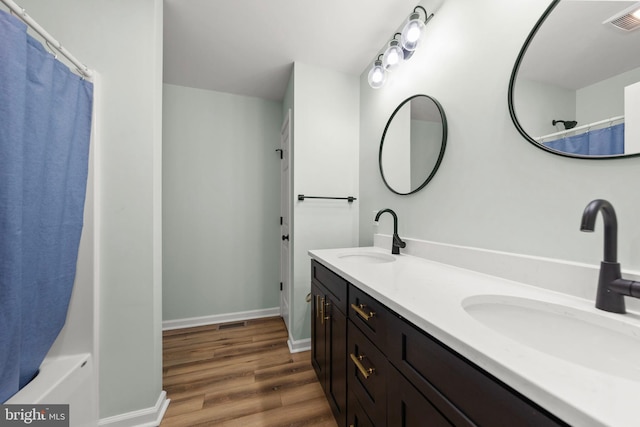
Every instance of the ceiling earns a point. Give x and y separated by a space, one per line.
247 47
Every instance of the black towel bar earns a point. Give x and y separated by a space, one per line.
349 199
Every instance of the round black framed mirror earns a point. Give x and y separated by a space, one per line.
575 87
413 144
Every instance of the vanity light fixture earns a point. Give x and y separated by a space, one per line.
377 74
398 51
414 28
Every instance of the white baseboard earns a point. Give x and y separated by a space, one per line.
219 318
149 417
296 346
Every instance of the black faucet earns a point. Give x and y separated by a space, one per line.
611 286
397 242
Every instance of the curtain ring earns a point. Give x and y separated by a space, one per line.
23 13
81 73
51 49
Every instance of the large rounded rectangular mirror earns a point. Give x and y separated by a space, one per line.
575 87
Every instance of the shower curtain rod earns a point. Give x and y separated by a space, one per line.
51 42
587 126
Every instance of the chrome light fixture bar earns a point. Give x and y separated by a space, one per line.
398 51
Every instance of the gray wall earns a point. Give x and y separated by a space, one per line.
494 190
221 203
122 41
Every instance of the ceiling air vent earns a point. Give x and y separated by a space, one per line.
627 20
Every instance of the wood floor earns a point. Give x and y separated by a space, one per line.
240 374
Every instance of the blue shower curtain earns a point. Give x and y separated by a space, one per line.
45 122
600 142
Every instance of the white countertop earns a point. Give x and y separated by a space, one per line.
431 295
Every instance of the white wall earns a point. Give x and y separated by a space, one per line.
122 40
493 190
632 115
538 104
604 99
221 195
325 153
426 139
397 152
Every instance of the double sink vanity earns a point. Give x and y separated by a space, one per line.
402 340
437 335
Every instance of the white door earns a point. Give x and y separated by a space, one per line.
285 205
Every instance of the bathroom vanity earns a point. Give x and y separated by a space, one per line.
398 340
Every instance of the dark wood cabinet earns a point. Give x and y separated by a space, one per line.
407 407
318 332
329 337
367 374
466 394
378 369
356 415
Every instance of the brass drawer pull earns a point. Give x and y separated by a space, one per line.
360 310
364 371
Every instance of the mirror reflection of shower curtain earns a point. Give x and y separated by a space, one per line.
600 142
45 120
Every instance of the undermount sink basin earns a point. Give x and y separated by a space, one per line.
367 257
581 337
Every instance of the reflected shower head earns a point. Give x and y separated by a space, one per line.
568 124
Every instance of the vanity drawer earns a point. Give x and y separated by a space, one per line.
369 315
356 416
407 407
367 374
438 371
335 284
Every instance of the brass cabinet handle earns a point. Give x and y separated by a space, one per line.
322 310
360 310
364 371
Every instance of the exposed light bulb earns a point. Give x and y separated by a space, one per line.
412 32
377 75
393 56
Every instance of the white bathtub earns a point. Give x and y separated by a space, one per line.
64 380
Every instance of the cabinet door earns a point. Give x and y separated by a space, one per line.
336 358
406 407
318 335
